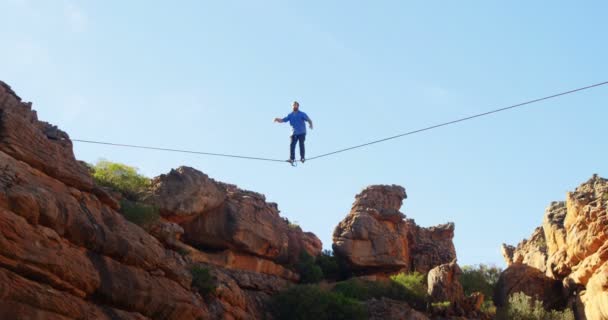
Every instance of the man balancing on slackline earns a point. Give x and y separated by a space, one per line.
297 121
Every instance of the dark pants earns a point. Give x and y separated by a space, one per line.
292 148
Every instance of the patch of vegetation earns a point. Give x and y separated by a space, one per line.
440 307
139 213
293 225
523 307
329 265
183 251
481 278
309 271
311 302
364 290
488 307
413 282
203 281
120 177
443 304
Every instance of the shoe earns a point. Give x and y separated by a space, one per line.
290 161
302 160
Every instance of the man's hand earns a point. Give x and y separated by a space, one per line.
279 120
310 125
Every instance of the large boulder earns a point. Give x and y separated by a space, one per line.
185 192
244 222
371 236
234 228
532 282
375 237
443 284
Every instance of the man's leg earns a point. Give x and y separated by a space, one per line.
301 139
292 147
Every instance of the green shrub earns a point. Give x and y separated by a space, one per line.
363 290
138 213
481 278
523 307
308 270
329 265
414 283
120 177
306 302
203 281
488 307
440 307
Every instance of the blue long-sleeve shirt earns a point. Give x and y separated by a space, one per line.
297 120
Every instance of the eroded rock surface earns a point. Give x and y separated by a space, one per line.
571 248
66 254
375 237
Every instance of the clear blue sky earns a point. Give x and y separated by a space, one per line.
211 76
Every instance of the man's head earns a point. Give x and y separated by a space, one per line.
295 105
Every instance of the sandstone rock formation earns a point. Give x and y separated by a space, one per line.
67 253
230 227
571 248
531 281
63 252
443 284
375 237
37 143
185 192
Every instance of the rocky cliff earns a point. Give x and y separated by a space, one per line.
67 252
565 261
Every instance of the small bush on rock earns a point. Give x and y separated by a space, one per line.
523 307
139 213
365 290
203 281
120 177
414 283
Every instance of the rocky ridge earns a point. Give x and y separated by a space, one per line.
565 261
66 252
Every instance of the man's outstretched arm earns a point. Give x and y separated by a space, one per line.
279 120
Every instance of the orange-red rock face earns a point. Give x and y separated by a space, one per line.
220 217
572 246
375 237
65 254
